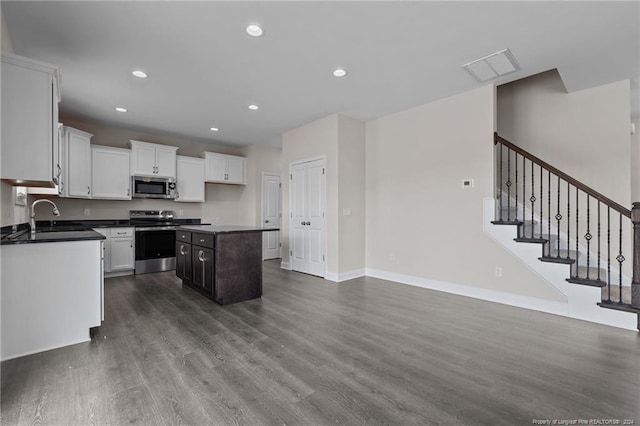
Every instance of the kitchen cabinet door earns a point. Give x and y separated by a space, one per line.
30 96
235 169
155 160
216 167
189 179
77 164
110 173
122 253
106 248
183 261
143 160
166 161
203 268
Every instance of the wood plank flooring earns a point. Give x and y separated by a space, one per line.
312 352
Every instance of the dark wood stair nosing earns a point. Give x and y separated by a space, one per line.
531 240
625 307
506 222
561 260
587 281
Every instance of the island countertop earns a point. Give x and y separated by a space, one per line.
25 237
223 229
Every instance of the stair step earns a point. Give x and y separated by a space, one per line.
626 307
505 222
553 259
563 253
593 273
589 282
531 240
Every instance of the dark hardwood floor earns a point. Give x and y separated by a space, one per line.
313 352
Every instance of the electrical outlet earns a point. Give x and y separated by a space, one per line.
87 212
499 271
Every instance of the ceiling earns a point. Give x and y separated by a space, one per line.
204 70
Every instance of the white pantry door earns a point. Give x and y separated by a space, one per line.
271 207
307 217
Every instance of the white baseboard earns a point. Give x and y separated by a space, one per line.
345 276
595 314
285 265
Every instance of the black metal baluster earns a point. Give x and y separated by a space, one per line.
587 237
516 186
620 259
508 184
500 180
569 217
577 232
532 199
558 219
549 211
541 203
524 181
608 254
598 240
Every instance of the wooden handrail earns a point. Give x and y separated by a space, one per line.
592 192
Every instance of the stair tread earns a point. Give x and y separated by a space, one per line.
585 281
553 259
626 307
531 240
505 222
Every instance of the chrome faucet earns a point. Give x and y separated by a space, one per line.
56 212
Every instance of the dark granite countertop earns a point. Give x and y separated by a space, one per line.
223 229
25 237
67 230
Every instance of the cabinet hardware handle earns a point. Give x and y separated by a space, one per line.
128 192
201 256
89 190
302 223
202 241
131 244
308 223
182 250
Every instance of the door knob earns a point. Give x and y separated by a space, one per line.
266 221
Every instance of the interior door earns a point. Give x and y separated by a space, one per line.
271 216
307 218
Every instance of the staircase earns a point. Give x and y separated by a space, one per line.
573 224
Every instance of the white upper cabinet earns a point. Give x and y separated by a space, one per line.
221 168
30 96
150 159
190 179
110 173
76 165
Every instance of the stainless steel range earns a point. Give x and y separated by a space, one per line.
155 240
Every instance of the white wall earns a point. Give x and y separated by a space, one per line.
419 222
585 133
351 196
635 162
319 138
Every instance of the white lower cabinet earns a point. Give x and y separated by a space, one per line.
110 175
119 249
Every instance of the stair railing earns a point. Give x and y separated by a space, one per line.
581 216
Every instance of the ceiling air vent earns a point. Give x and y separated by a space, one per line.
492 66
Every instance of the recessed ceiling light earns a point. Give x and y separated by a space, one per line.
254 30
214 129
120 109
339 72
253 107
140 74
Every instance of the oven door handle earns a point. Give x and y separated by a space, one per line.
156 228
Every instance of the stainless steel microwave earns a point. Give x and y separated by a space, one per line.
153 187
